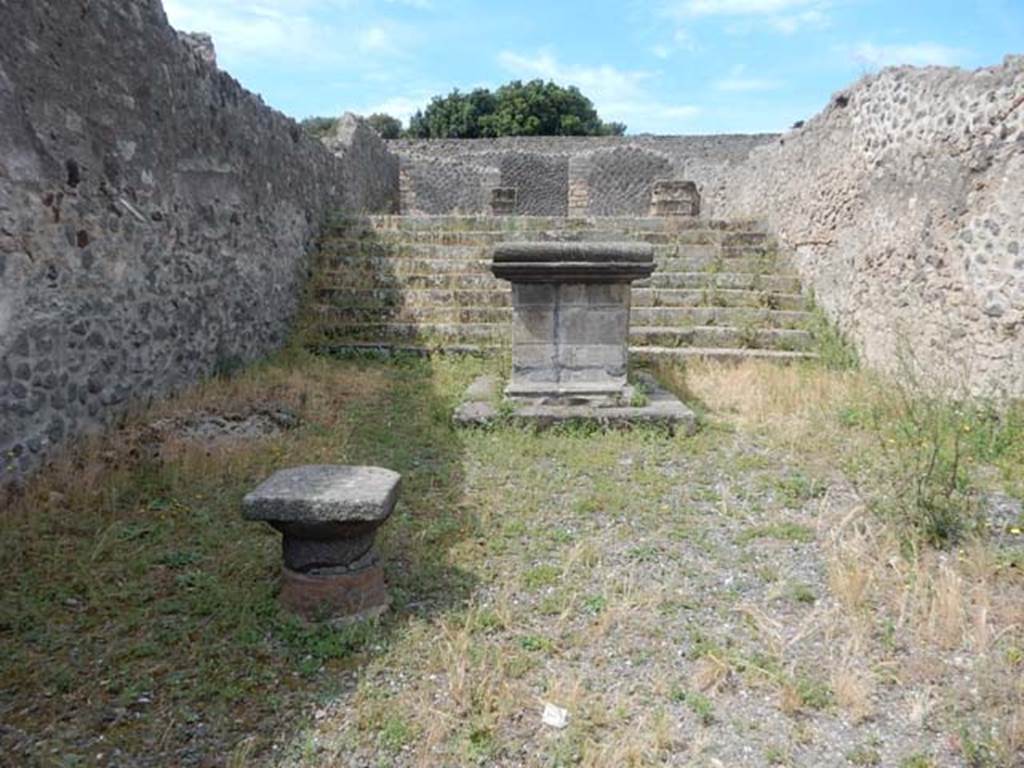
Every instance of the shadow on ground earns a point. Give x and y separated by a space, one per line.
139 622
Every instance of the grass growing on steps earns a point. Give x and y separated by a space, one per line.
758 589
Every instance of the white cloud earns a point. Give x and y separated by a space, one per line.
747 85
793 23
300 32
379 39
916 54
738 81
402 107
785 16
690 8
619 95
681 40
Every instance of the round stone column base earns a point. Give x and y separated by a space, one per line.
343 596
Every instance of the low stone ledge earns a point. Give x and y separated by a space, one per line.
652 404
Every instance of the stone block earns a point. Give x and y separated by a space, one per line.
586 325
592 380
328 516
594 294
524 294
525 375
671 197
529 356
346 596
533 324
570 317
609 357
324 493
504 201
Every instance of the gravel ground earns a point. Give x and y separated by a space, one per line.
675 601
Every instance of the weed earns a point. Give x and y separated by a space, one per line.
803 593
536 643
864 755
697 703
833 349
796 488
781 531
640 397
917 760
395 733
541 576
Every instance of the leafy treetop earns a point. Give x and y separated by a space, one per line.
535 108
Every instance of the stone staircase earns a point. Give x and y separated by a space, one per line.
720 290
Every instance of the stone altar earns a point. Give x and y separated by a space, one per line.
570 339
570 318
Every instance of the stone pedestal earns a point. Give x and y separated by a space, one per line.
570 306
504 201
670 197
570 343
328 516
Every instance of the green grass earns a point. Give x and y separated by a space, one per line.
782 531
834 350
584 566
149 593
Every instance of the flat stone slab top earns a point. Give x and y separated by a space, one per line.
324 493
480 407
328 516
558 262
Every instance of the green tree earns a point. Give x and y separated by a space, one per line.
455 116
318 127
386 126
535 108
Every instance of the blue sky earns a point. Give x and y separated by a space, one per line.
662 66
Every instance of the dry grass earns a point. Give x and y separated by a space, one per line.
744 595
793 402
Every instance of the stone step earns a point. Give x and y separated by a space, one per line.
482 279
494 333
720 354
715 297
384 266
347 251
453 222
722 337
351 315
348 248
637 354
661 317
718 316
722 280
499 295
488 238
447 261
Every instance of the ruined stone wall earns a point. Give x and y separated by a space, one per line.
618 180
541 182
369 180
434 185
903 201
154 217
555 175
